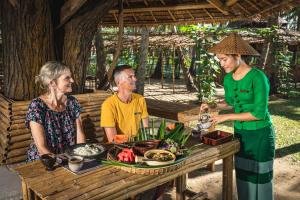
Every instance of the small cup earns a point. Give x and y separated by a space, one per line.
48 160
75 163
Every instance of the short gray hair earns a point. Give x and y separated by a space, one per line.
118 71
51 70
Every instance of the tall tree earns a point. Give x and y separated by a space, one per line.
101 72
267 57
142 60
27 33
157 71
35 31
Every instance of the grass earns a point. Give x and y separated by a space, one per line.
286 120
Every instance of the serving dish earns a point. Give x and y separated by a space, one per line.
87 150
216 137
157 157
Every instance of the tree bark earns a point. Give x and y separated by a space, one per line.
188 78
157 71
268 57
120 41
27 45
79 33
143 60
101 72
33 34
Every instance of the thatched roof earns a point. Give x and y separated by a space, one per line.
155 40
158 12
171 40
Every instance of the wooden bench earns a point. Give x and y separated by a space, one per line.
15 137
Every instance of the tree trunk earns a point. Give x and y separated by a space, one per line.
30 31
188 79
101 72
157 71
27 45
268 57
117 52
142 61
192 69
79 34
298 19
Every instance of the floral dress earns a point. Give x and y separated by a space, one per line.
59 127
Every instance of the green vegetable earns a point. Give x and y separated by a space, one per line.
161 130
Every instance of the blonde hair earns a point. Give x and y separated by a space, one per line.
51 70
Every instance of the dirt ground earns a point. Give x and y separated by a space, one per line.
286 174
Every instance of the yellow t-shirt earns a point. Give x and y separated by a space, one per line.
126 117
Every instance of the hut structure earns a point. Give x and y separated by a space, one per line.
63 30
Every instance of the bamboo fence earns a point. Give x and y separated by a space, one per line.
15 138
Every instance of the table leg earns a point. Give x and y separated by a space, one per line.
227 178
24 190
180 187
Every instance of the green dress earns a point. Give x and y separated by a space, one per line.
254 161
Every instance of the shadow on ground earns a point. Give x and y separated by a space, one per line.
284 151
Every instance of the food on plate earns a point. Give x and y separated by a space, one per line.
156 157
126 155
88 150
160 156
171 126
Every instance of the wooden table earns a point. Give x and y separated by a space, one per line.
109 182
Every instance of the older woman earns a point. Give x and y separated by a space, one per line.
54 117
247 91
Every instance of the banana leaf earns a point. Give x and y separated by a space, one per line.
161 130
175 134
116 163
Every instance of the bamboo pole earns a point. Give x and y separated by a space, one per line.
18 132
18 145
15 159
20 138
16 152
173 70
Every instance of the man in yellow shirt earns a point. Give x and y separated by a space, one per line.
122 113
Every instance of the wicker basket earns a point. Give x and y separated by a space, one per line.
143 169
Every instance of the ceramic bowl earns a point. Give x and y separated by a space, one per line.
157 157
141 147
75 163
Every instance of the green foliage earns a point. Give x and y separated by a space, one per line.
206 67
283 65
91 70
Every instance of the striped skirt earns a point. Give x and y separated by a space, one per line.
254 164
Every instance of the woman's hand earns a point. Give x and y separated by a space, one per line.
220 118
204 107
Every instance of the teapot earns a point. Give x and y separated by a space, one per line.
204 122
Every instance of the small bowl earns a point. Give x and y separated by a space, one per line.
155 162
48 161
75 163
143 146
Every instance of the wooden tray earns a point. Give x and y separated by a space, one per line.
141 168
216 137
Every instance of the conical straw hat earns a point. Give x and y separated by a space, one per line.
233 44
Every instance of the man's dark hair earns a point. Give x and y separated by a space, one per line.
119 69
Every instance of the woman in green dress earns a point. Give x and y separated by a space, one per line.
247 91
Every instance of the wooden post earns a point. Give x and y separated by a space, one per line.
227 178
173 69
162 69
24 190
180 187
